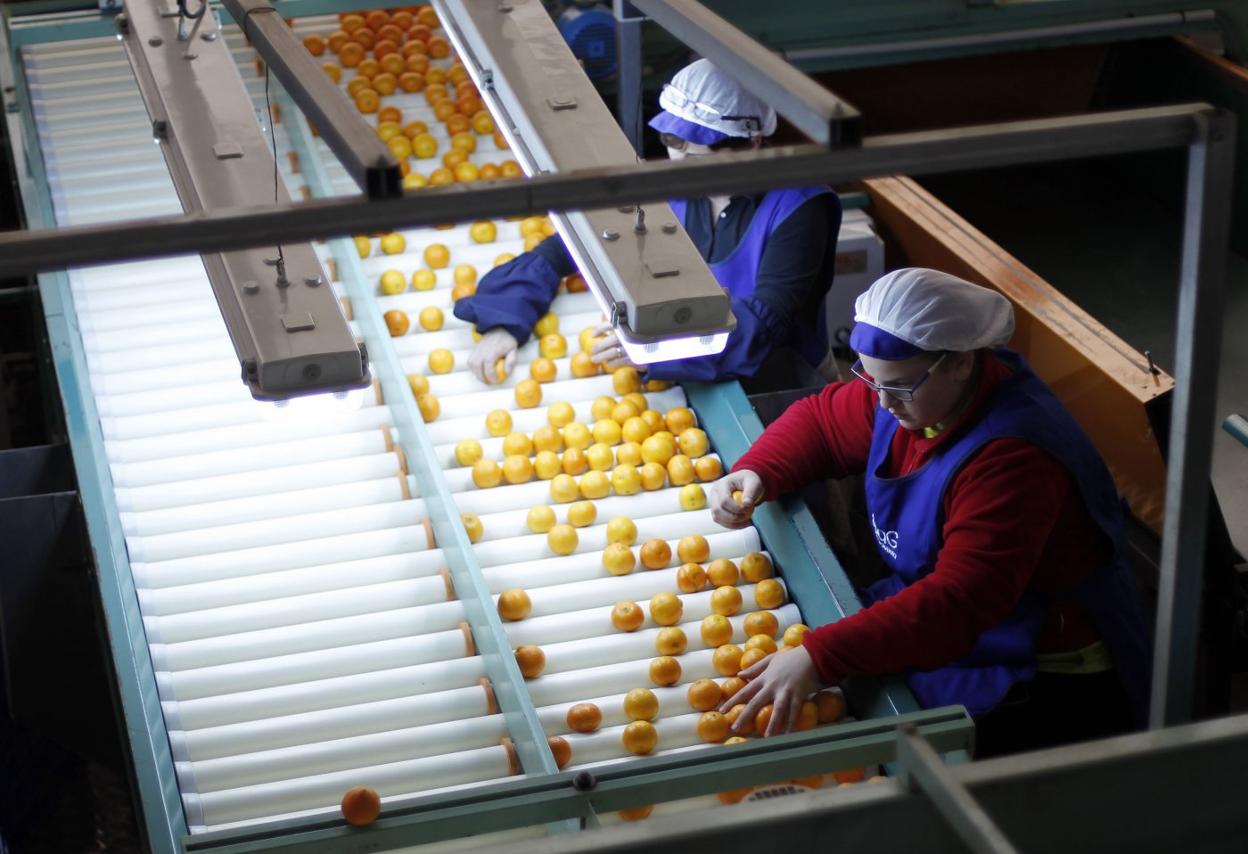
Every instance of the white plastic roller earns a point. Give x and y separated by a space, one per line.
619 678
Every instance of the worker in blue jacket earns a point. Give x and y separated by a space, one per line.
773 251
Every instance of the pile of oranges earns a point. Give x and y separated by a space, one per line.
396 51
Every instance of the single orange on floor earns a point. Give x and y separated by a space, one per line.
640 738
584 717
627 616
361 806
531 660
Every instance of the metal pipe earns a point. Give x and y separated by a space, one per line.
1143 22
362 153
814 110
1202 283
928 152
628 53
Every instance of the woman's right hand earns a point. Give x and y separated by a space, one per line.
495 344
734 496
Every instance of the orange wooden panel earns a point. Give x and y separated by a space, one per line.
1103 381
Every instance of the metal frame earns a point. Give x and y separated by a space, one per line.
1237 426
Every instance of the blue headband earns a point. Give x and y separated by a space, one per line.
666 122
871 341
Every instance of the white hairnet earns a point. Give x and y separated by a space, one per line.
702 94
931 311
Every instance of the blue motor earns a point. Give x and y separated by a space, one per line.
590 32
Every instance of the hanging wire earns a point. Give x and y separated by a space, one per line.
268 106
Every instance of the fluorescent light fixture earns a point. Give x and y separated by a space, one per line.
313 406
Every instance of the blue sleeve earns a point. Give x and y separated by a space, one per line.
515 295
748 347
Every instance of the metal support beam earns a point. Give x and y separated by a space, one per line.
924 153
628 75
922 771
815 111
1202 284
362 153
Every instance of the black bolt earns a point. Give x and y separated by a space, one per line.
584 781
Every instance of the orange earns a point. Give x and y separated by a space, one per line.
653 420
629 453
640 737
618 559
762 719
501 142
456 124
656 554
528 394
436 75
756 566
464 141
543 370
397 322
334 72
517 469
439 48
562 539
581 514
576 435
807 717
441 361
365 38
704 695
424 145
546 465
561 750
540 519
444 109
483 123
653 476
713 726
367 101
514 604
793 634
402 20
583 366
666 609
548 438
553 346
658 449
363 246
734 796
625 479
419 384
727 659
636 813
627 616
411 81
532 661
393 282
850 775
599 456
351 23
664 671
560 414
678 419
361 806
437 256
752 656
351 54
336 40
595 484
726 601
625 380
422 31
692 497
621 529
431 318
690 578
716 630
498 423
623 411
761 623
411 130
640 704
510 168
735 712
376 19
517 443
722 572
385 83
393 63
417 56
463 289
576 284
601 408
638 400
466 172
829 706
606 431
769 593
393 243
763 641
563 488
429 407
584 717
693 549
670 641
483 231
731 686
634 430
489 172
574 462
315 44
486 474
680 470
708 468
693 442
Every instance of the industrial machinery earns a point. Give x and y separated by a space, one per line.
328 594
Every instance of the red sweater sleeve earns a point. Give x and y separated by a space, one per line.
825 435
1000 510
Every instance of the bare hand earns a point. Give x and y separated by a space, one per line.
730 509
785 679
495 344
608 351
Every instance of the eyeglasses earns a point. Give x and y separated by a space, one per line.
905 395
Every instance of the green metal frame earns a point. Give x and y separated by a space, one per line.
545 796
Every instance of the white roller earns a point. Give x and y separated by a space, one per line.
325 790
424 626
532 547
265 481
613 679
188 309
189 353
588 565
328 724
323 694
110 341
376 440
307 666
283 763
272 532
672 702
266 507
294 582
458 336
514 523
607 743
311 607
310 552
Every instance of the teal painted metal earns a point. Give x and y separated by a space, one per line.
1237 426
815 578
162 819
54 22
521 803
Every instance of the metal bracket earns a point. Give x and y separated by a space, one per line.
921 770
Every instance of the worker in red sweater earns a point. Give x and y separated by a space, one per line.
1009 591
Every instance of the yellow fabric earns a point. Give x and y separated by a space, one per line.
932 432
1091 659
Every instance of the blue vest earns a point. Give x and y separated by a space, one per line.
907 515
738 273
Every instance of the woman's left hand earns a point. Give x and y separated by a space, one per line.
785 679
608 352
